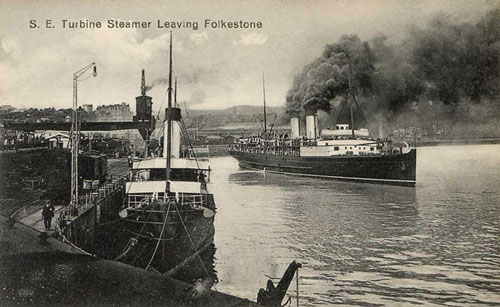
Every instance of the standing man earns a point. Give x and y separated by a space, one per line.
47 214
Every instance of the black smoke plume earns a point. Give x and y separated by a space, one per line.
328 76
443 70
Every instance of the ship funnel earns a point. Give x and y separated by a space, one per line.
294 126
176 133
312 126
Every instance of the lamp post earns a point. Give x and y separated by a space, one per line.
75 137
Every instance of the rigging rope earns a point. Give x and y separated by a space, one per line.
183 127
162 102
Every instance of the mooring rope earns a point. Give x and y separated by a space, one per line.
76 247
194 247
139 234
161 235
131 242
288 302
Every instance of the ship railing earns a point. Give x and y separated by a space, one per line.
139 200
278 150
92 197
196 200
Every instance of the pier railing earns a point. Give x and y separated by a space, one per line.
92 198
78 222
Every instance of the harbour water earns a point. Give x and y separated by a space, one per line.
366 244
360 244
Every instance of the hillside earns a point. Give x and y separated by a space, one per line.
235 114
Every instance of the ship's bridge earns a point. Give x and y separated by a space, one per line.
161 163
152 187
344 130
188 181
180 170
195 193
342 127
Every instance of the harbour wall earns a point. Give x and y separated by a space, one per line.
218 150
95 207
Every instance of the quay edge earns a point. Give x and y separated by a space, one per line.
104 281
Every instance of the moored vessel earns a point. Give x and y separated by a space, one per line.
168 212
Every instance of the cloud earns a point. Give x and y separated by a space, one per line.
46 69
253 39
10 45
200 38
11 48
124 46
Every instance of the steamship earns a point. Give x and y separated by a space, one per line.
168 212
344 153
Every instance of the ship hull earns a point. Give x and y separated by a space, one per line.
149 239
395 169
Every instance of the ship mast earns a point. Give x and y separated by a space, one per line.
175 92
351 96
143 93
264 94
169 115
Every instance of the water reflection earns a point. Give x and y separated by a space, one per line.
366 243
382 193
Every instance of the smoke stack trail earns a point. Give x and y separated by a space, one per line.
452 65
159 81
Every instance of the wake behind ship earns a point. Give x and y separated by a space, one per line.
344 153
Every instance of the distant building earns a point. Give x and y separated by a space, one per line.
59 140
6 109
43 120
113 113
88 108
214 139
